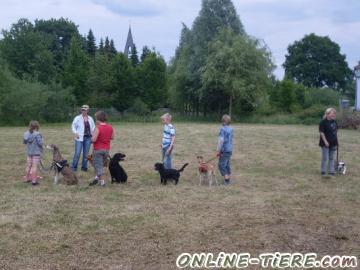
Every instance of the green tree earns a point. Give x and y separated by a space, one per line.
101 46
76 70
152 82
99 82
182 96
123 83
25 51
145 52
91 45
107 45
237 68
283 96
193 51
316 62
59 33
112 48
134 59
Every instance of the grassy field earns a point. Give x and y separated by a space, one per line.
277 202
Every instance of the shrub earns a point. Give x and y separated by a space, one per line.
350 120
139 108
325 96
22 100
315 111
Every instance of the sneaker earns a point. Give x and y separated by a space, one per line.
84 169
35 183
332 174
227 182
94 182
102 183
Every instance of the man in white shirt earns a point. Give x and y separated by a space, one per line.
83 127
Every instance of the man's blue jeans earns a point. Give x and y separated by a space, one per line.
166 158
83 146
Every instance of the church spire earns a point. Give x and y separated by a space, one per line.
129 42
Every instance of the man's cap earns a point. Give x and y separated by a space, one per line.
85 107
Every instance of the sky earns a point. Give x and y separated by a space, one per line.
157 23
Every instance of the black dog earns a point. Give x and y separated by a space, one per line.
118 174
168 174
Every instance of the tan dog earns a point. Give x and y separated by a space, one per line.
60 165
206 171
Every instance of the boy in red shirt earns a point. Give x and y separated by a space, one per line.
101 138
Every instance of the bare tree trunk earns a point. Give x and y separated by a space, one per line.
230 105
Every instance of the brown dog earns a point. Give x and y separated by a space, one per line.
206 171
60 165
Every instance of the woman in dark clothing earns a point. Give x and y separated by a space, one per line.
328 141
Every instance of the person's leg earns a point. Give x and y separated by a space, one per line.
324 160
222 166
33 170
228 168
332 152
78 148
167 159
98 160
105 155
28 168
86 149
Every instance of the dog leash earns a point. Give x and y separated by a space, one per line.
211 159
45 169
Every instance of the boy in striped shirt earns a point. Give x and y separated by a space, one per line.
168 140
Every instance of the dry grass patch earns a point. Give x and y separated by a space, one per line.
277 202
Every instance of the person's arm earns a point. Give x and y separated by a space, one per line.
73 128
92 125
322 133
220 143
173 133
39 140
219 146
112 134
95 135
25 138
172 143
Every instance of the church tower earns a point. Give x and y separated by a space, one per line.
129 43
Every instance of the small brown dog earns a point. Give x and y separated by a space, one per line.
60 165
206 171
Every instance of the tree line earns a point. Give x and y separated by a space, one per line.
218 68
47 68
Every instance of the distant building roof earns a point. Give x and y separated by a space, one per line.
129 43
